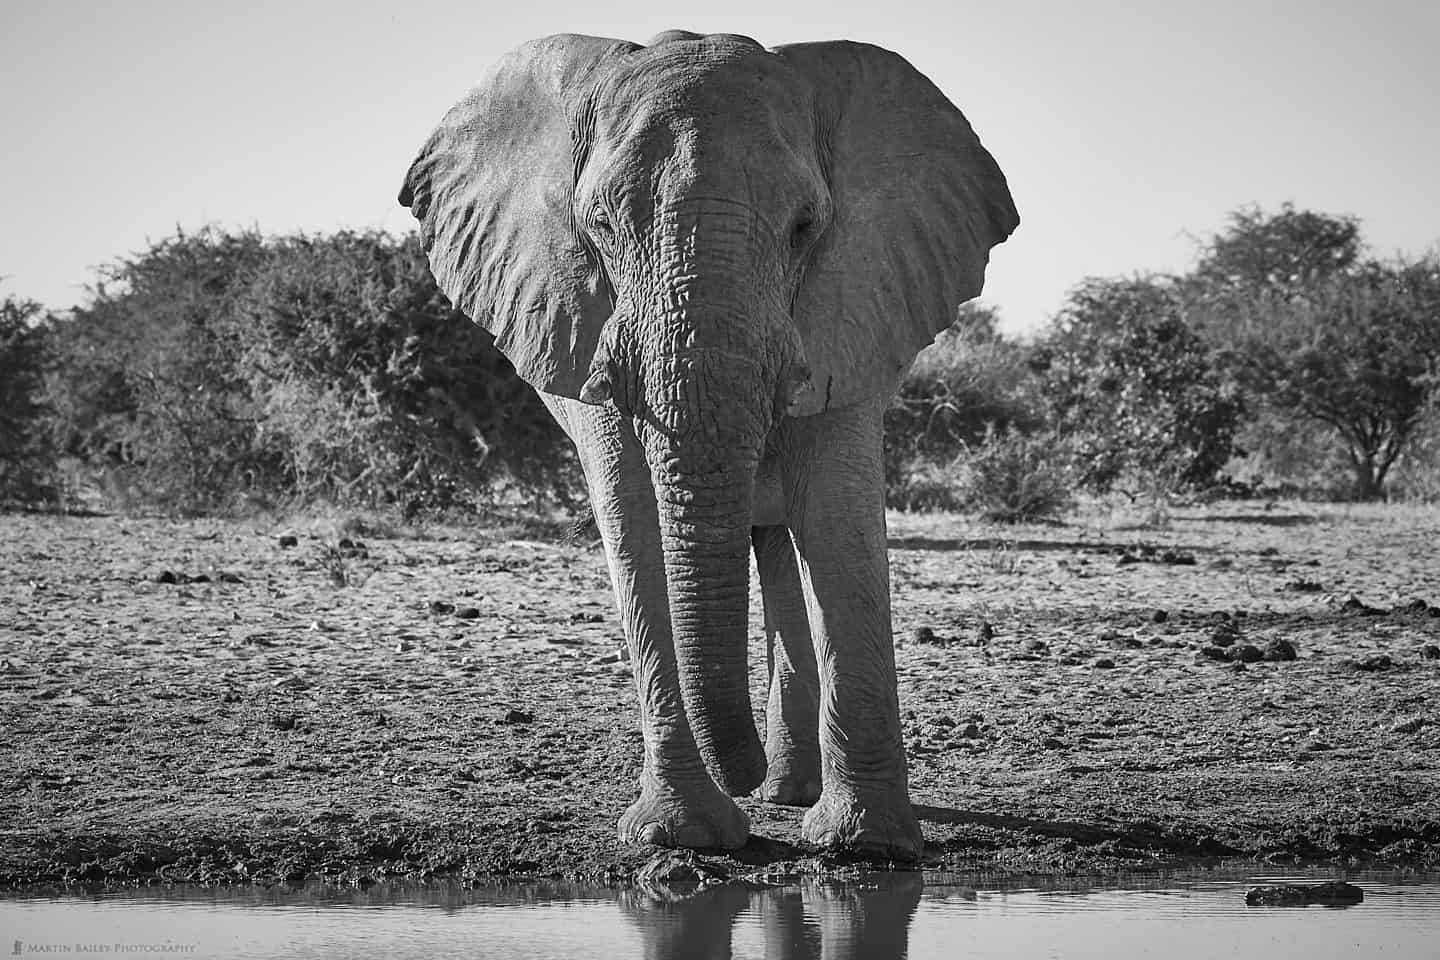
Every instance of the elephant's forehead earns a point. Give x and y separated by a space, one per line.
730 84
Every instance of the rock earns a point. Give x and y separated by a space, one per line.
679 866
1224 633
970 731
286 722
922 635
1270 552
468 613
1104 663
1211 653
289 540
170 576
1176 559
1280 649
985 632
584 617
1373 664
1159 616
440 607
1413 725
1417 607
1053 743
1354 604
1331 893
1247 653
1304 586
518 716
1430 652
1036 646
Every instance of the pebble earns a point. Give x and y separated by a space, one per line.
1280 649
1373 664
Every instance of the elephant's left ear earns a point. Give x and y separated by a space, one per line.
918 203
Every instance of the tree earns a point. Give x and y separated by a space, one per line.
1135 388
1318 334
1287 250
1357 350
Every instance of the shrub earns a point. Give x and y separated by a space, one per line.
1134 389
1017 478
969 382
26 465
215 366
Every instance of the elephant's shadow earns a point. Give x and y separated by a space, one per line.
762 850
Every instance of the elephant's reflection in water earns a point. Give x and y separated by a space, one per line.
800 921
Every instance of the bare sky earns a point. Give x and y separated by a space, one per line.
1128 128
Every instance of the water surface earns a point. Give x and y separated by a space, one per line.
879 916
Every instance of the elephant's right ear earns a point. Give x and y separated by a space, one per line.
492 190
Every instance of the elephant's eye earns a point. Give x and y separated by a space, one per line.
803 232
600 224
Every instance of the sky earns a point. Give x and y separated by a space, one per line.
1128 129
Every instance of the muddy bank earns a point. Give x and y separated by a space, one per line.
211 701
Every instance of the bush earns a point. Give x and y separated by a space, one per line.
1017 478
217 366
969 382
1137 393
26 465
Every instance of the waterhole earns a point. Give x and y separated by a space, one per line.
878 915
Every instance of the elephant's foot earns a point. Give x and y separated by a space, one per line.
880 827
694 814
793 777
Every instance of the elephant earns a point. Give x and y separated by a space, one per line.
714 261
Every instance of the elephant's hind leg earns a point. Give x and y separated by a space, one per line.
792 742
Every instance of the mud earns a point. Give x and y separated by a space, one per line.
209 701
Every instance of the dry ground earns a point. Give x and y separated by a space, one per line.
193 700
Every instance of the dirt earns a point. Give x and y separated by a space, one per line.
210 701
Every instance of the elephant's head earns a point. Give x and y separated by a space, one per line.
710 236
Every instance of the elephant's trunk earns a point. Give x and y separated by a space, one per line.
703 457
707 566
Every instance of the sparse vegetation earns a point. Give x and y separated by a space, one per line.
220 370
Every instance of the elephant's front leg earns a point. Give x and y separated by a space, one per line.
679 805
836 491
